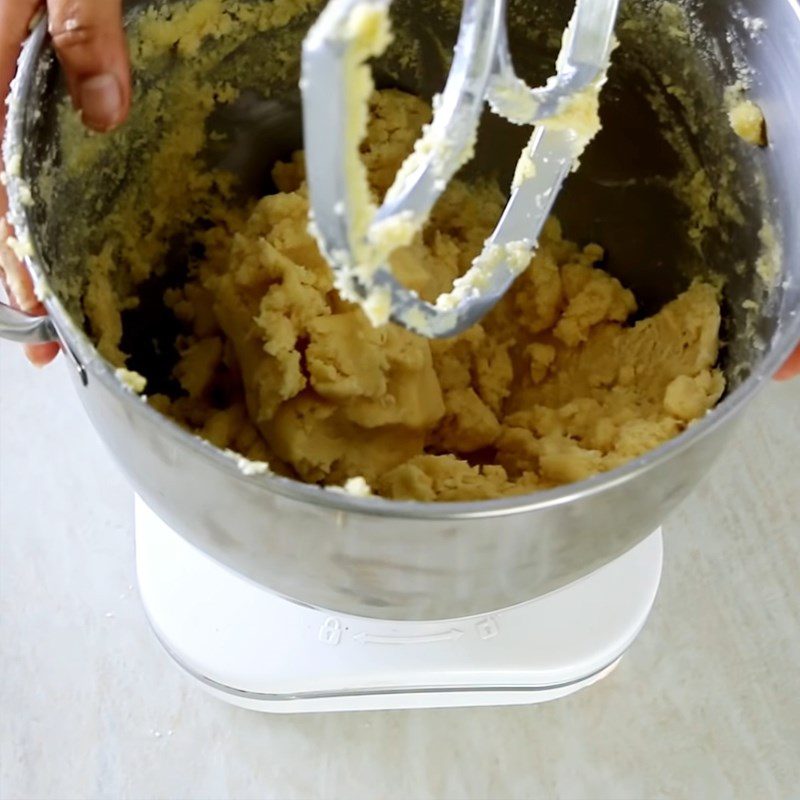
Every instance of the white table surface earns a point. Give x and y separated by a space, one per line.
705 705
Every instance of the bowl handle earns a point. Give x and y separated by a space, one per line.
26 328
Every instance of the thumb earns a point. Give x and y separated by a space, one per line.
90 41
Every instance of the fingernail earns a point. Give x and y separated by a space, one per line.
100 101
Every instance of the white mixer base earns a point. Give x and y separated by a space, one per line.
257 650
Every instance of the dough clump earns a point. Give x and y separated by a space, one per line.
747 121
746 118
554 386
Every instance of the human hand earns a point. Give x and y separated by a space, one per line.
90 42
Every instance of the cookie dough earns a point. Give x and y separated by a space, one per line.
554 386
746 118
747 121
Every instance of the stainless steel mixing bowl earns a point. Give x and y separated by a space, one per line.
398 560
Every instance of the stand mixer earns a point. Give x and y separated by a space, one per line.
283 596
279 656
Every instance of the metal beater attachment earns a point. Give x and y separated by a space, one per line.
356 236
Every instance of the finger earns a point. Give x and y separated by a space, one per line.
15 17
15 278
791 369
90 41
19 288
41 354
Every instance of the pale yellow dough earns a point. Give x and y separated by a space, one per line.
746 118
553 387
747 121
